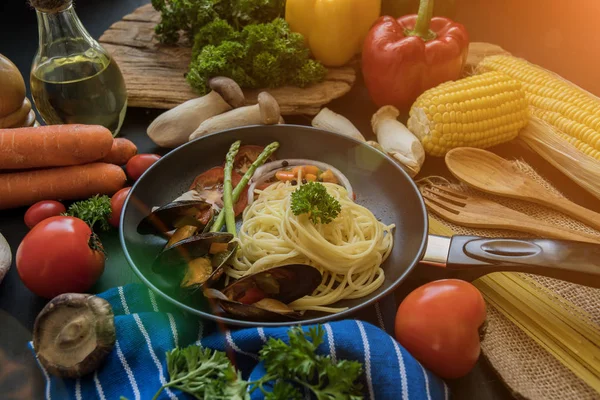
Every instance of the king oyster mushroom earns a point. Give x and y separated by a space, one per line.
266 112
397 141
334 122
73 334
5 257
265 295
173 128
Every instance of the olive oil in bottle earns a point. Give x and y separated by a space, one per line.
73 79
80 89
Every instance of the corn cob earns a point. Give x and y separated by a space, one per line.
479 111
568 108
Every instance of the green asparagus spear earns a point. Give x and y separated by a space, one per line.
266 153
228 188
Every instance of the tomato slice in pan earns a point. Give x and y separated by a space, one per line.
246 156
210 187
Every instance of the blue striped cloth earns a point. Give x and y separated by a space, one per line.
147 328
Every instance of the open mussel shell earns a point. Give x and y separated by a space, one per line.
184 251
280 285
173 215
286 283
210 276
267 310
254 313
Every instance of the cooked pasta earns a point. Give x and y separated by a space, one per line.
348 251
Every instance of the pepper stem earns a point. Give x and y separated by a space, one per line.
424 16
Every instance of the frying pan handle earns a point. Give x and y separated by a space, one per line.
470 257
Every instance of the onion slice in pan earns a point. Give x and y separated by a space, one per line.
268 171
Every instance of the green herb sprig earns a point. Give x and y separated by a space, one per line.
245 40
95 210
208 374
191 15
312 199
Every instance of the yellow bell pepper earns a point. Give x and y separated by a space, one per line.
334 30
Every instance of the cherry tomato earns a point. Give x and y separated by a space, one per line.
116 206
139 163
438 323
210 187
42 210
57 256
246 156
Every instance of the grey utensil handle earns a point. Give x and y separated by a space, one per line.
470 257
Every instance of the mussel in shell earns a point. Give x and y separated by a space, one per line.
174 215
264 296
206 271
186 250
198 260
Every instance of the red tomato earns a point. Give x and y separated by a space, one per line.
55 257
210 187
246 156
438 323
139 163
116 206
42 210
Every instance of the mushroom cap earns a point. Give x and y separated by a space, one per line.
229 90
50 6
269 109
73 334
5 257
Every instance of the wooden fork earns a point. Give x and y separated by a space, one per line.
478 212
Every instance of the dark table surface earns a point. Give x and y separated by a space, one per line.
19 376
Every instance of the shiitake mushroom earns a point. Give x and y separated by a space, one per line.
73 334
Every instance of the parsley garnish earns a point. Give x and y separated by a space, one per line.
208 374
312 199
93 210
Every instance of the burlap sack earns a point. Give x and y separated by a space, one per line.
525 366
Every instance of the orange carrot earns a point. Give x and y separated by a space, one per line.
285 175
311 177
122 150
53 146
311 169
66 183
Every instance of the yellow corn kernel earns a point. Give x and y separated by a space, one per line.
478 111
560 103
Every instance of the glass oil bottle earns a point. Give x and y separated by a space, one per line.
73 79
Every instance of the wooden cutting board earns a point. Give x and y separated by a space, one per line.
154 73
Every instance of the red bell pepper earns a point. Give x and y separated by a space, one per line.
404 57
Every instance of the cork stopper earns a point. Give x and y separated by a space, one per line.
50 6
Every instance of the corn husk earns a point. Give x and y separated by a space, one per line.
543 139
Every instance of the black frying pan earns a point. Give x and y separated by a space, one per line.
380 184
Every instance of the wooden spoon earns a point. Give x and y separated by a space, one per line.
493 174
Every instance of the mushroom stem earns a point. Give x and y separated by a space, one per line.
334 122
5 257
266 112
397 141
173 128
